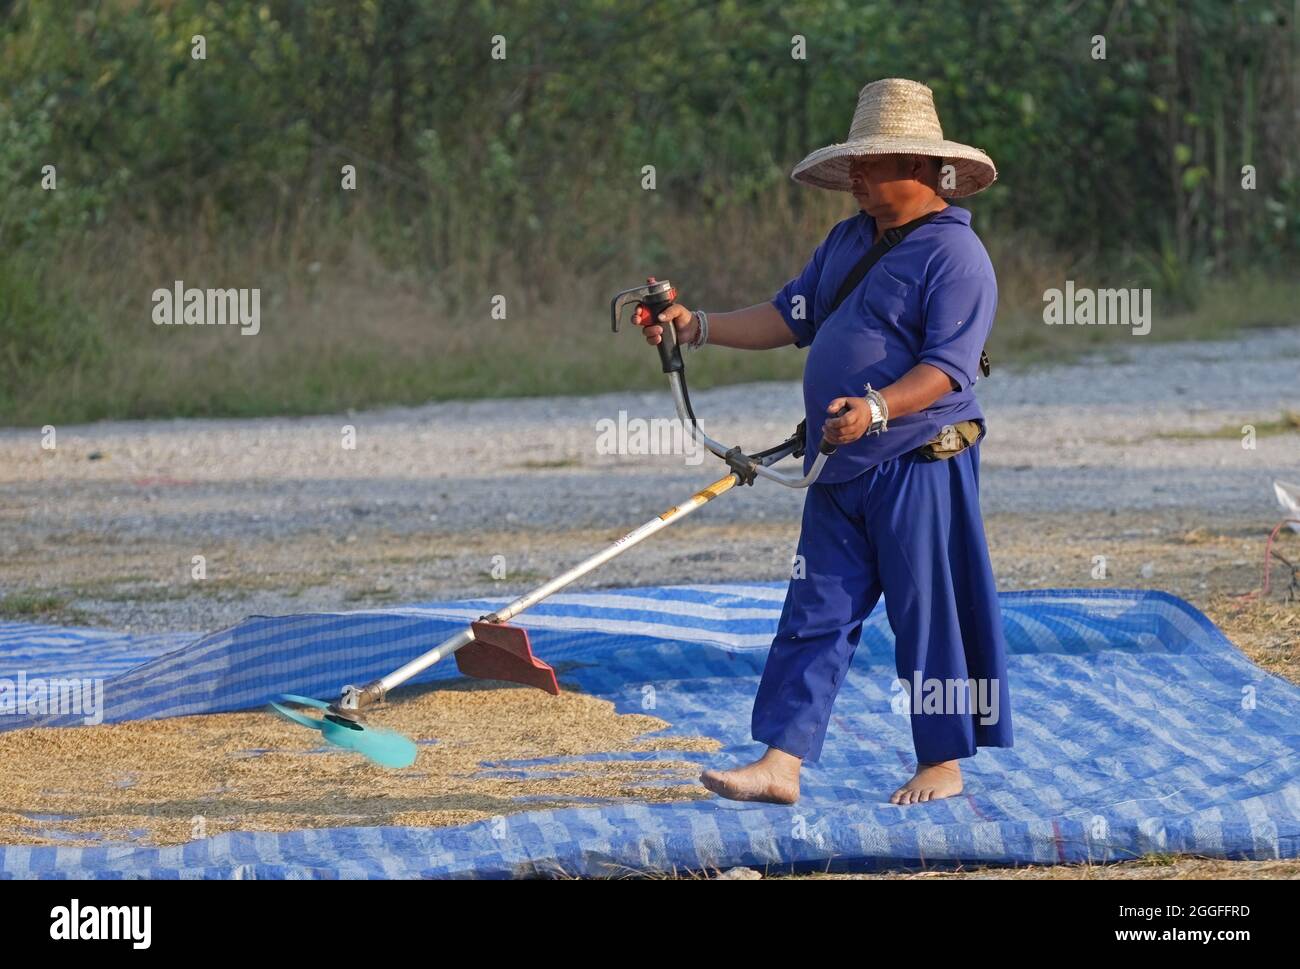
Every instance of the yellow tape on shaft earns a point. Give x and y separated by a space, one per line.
706 494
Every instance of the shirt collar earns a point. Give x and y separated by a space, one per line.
867 225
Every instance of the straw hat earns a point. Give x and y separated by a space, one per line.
896 117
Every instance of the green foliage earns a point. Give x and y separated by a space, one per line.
1150 139
42 331
472 171
590 90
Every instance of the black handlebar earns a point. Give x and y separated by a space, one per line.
656 296
829 449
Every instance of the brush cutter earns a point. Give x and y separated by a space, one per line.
493 649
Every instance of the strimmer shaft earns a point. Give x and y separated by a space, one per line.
354 699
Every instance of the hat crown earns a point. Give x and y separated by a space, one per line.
895 108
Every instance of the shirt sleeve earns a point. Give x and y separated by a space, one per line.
959 315
795 300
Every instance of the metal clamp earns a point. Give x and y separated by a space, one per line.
741 465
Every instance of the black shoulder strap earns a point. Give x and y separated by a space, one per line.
888 240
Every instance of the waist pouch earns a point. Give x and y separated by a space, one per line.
951 439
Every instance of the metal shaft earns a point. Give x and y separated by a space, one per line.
466 636
655 294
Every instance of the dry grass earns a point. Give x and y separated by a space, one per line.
351 319
1152 868
1218 568
1266 630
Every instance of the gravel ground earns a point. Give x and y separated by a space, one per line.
289 519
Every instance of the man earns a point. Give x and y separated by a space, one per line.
896 510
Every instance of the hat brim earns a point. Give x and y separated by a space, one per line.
829 167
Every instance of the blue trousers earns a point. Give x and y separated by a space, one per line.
912 530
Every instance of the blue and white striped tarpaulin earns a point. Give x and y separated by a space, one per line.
1139 728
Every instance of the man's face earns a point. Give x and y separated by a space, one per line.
882 184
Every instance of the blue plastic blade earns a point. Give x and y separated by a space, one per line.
295 717
385 747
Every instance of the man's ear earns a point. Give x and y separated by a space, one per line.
925 169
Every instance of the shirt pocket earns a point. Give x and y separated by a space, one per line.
885 296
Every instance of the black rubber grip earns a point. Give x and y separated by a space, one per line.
670 353
827 448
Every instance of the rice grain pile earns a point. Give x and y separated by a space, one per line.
175 780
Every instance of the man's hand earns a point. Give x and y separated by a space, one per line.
679 316
914 391
849 427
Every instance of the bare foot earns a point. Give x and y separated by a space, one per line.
930 783
773 778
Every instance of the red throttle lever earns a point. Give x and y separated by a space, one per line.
651 300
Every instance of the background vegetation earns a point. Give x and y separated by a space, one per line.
522 177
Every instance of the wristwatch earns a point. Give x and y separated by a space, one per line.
879 412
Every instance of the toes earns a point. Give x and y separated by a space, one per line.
917 791
749 785
904 795
715 781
